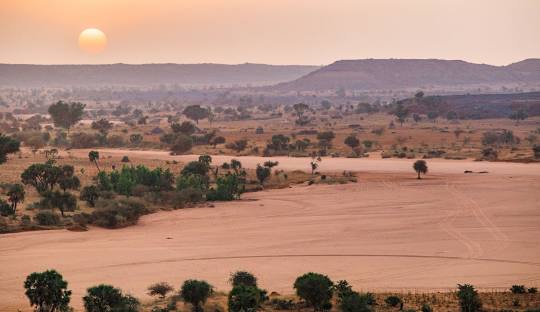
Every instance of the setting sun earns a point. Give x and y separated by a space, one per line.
92 40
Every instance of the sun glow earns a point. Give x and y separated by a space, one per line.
92 40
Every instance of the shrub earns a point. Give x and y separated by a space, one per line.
89 194
108 298
469 301
315 289
116 141
125 159
518 289
160 289
532 290
426 308
47 291
244 298
393 301
181 144
228 187
196 292
355 302
282 304
117 213
5 209
47 218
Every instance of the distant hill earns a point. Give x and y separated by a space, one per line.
386 74
21 75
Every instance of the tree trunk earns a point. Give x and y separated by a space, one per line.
419 175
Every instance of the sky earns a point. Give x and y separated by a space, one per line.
314 32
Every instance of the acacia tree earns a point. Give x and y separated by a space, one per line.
196 113
47 291
108 298
8 145
352 141
196 292
15 195
401 113
263 173
65 115
316 289
420 166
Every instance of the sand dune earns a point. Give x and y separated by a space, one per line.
390 231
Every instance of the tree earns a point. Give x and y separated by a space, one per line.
217 140
15 195
65 115
64 201
8 145
195 112
469 301
242 278
196 292
314 163
103 126
420 166
108 298
401 113
325 139
68 180
41 176
136 139
181 144
185 127
417 118
352 141
518 115
89 194
93 156
316 289
160 289
262 173
244 298
47 291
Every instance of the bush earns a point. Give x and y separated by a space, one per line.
89 194
117 213
108 298
47 218
125 159
282 304
532 290
244 298
469 301
160 289
47 291
355 302
518 289
393 301
426 308
196 292
315 289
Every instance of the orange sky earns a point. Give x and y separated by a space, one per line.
270 31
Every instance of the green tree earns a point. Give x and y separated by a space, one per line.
196 292
181 144
93 156
244 298
196 113
47 291
8 145
42 176
160 289
15 195
263 173
352 141
108 298
242 278
64 201
90 194
185 127
420 166
65 115
316 289
519 115
355 302
325 139
469 301
401 113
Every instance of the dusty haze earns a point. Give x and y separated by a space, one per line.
311 32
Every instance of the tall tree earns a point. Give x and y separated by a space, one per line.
8 145
196 113
47 291
15 195
65 115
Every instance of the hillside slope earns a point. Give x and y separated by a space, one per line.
384 74
22 75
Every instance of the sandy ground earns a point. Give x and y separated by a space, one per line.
391 232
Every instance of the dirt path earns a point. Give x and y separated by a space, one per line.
394 232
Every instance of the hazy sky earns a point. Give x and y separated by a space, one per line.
270 31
